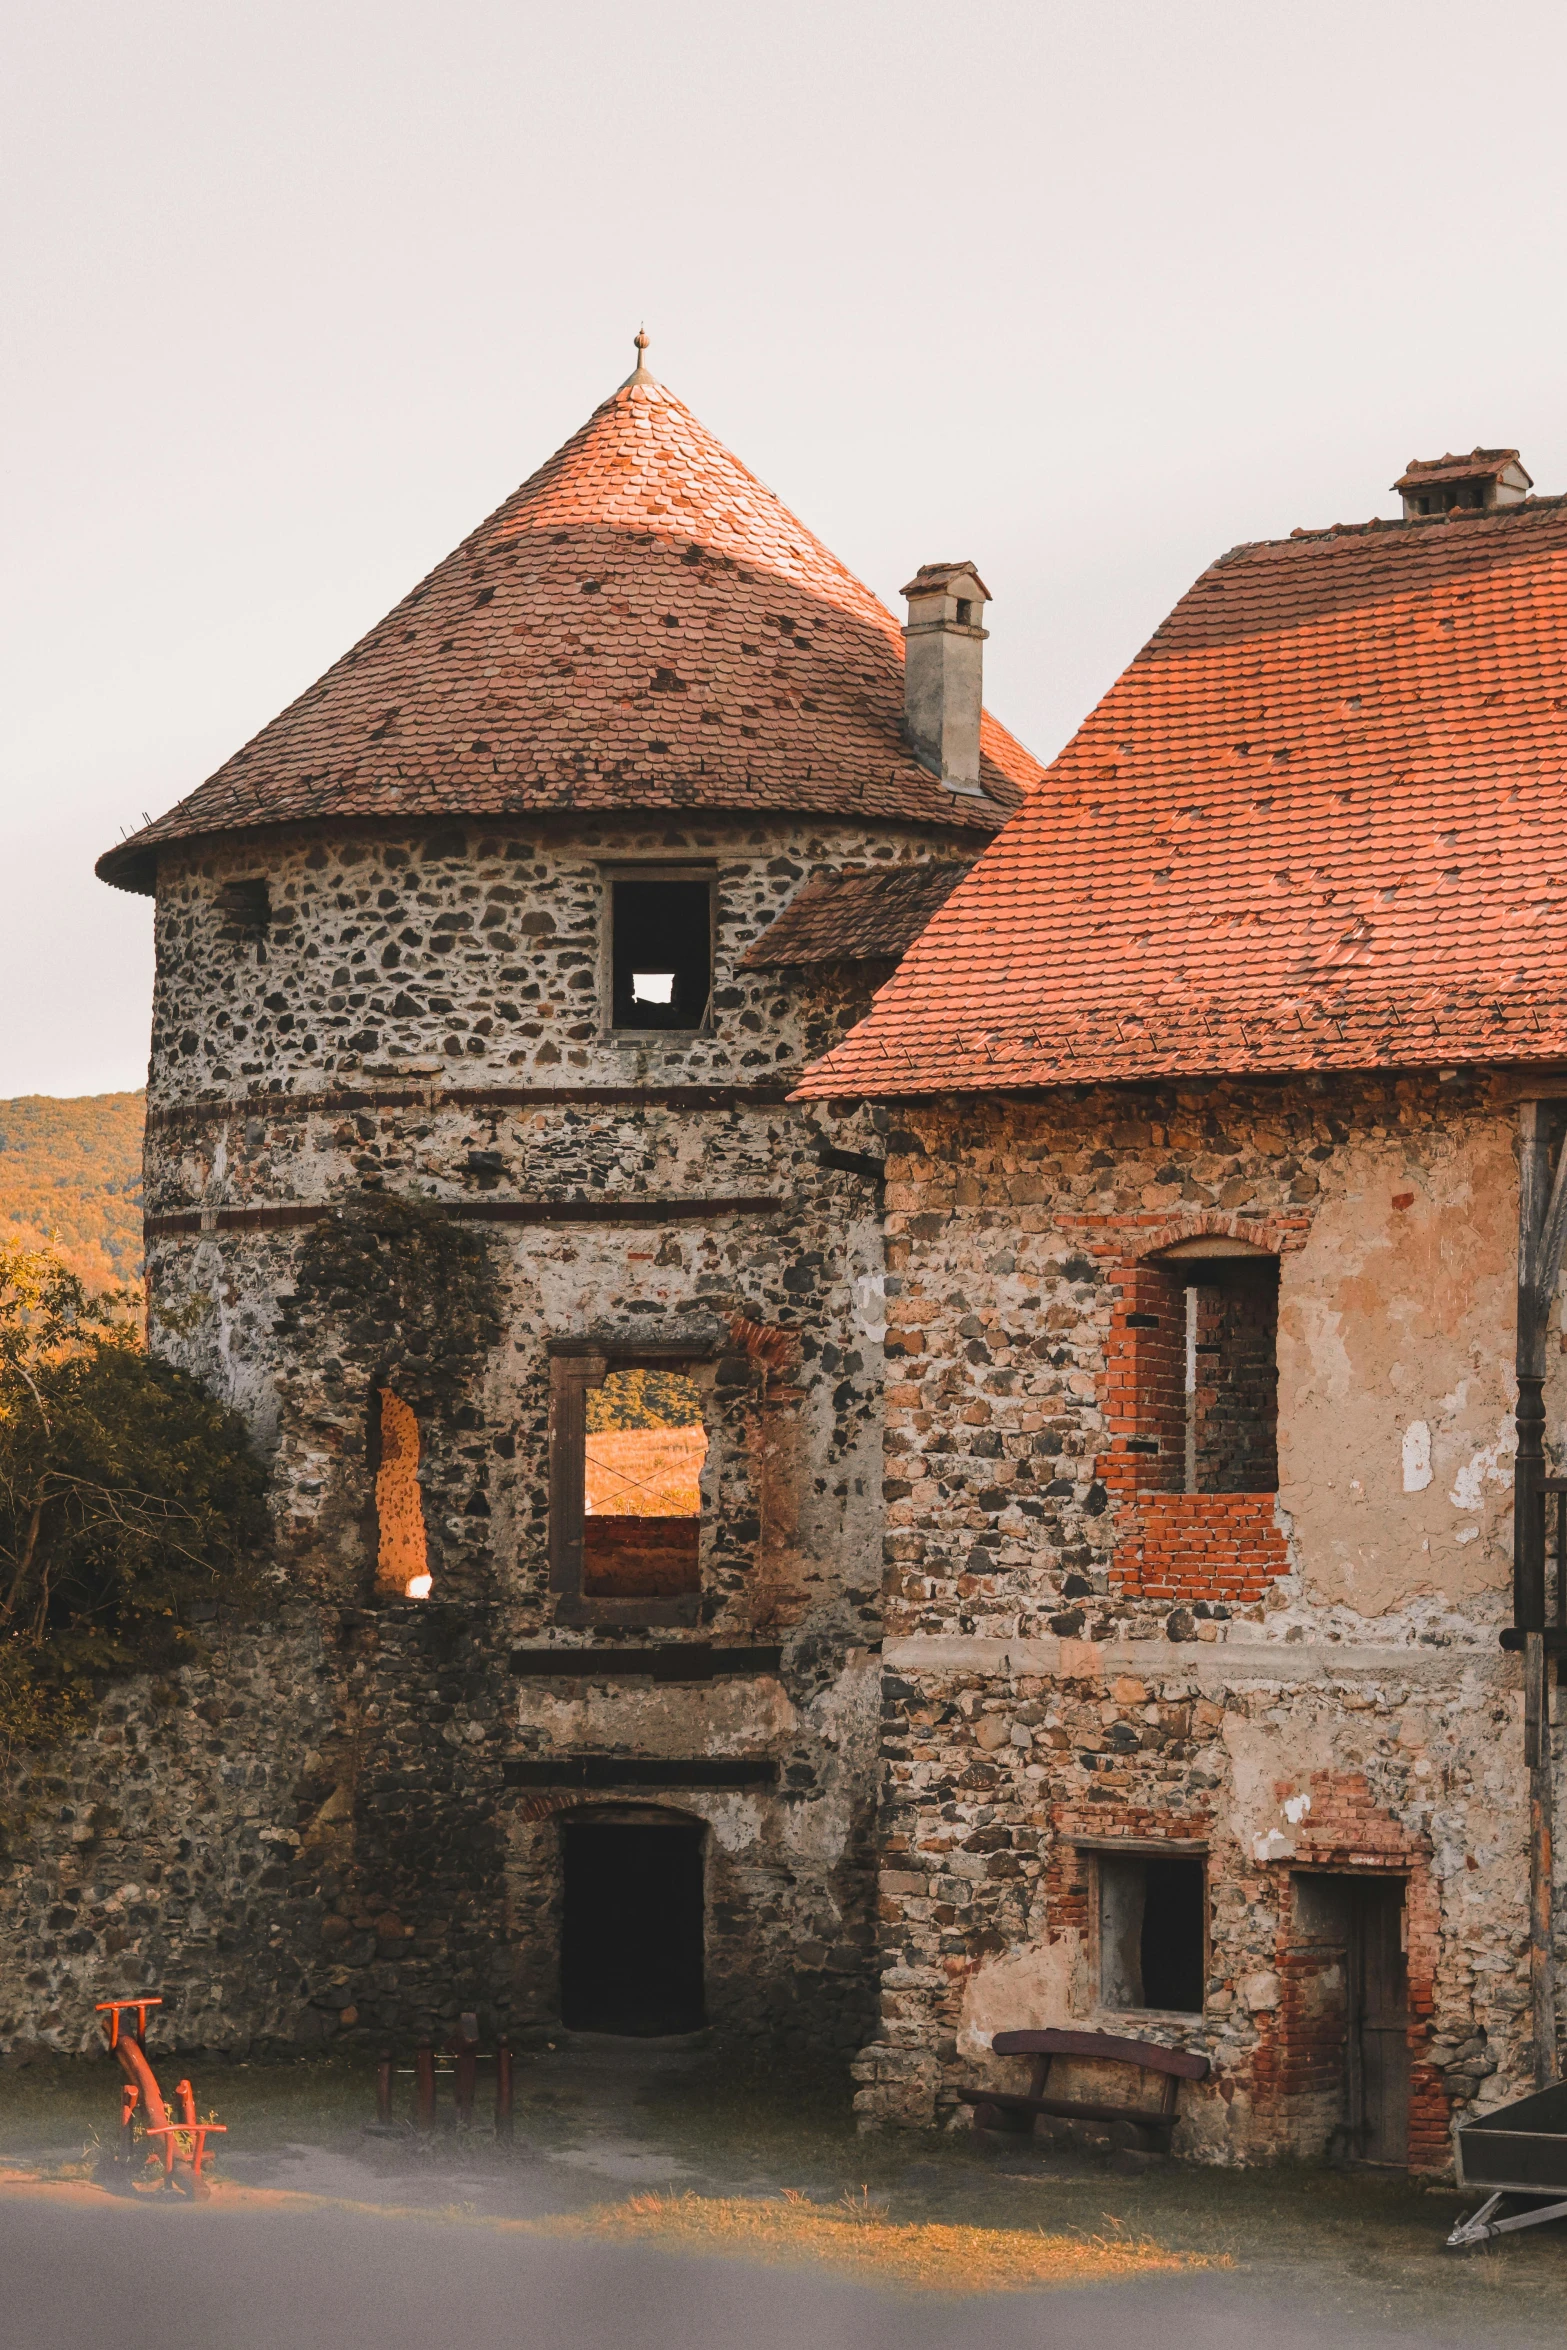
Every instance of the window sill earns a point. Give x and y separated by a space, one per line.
669 1038
1182 2018
630 1615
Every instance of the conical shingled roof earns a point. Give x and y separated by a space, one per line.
642 625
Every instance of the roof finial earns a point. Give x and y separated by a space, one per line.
641 376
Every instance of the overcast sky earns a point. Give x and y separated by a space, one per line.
296 293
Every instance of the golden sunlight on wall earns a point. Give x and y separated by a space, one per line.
401 1568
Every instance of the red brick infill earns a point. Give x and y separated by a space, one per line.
1188 1546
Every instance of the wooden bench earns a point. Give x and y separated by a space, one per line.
1147 2125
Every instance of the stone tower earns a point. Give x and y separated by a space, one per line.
472 1180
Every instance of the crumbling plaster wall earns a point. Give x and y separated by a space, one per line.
1395 1370
1392 1204
1000 1754
1032 1699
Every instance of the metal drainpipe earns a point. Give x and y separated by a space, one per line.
1536 1286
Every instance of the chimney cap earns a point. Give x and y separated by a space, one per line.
1425 473
940 579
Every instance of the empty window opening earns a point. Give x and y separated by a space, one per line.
1347 2044
632 1934
1153 1931
402 1568
661 953
642 1464
1232 1379
1204 1340
244 909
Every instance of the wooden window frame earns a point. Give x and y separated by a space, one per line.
1098 1849
575 1366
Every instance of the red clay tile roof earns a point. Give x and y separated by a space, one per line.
1319 823
854 917
641 625
1424 473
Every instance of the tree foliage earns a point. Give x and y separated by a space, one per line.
130 1499
644 1399
70 1181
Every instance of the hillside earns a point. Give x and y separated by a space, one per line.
70 1179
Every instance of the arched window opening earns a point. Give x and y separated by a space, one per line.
402 1567
1196 1357
642 1485
1225 1301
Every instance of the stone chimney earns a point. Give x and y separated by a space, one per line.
1451 484
943 654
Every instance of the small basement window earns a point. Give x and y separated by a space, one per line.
661 952
402 1568
1153 1930
642 1460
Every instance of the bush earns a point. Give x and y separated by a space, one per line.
130 1500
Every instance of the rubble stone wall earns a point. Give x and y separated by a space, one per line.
1292 1683
342 1108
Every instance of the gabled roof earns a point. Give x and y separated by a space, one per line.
854 917
641 625
1319 823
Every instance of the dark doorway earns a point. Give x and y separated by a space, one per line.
1353 1983
631 1943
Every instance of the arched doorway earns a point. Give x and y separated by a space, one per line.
632 1931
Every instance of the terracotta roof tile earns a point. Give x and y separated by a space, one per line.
1424 473
1320 822
854 917
641 625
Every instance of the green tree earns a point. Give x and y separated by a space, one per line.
644 1399
129 1499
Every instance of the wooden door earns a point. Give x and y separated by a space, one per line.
1378 2035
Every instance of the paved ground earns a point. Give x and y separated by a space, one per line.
326 2236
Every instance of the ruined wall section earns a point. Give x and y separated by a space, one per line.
1306 1680
1014 1232
185 1845
1005 1770
416 1033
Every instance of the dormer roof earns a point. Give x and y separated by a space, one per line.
643 625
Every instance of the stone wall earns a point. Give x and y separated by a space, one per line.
389 1143
1292 1683
1007 1762
171 1849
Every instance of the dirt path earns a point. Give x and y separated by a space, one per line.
667 2193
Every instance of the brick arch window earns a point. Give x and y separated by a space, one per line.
402 1568
1198 1337
1192 1408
